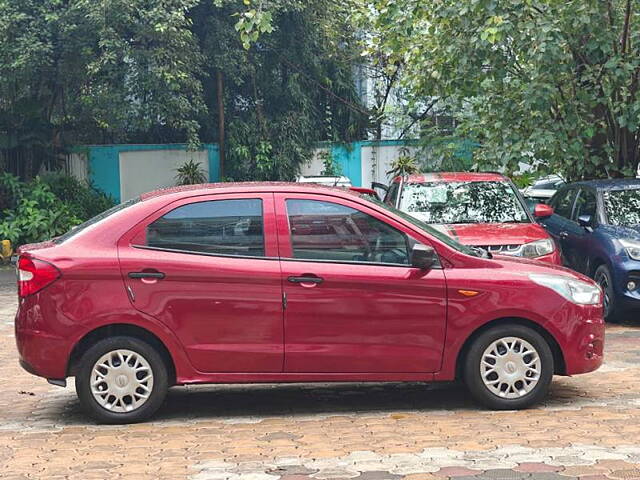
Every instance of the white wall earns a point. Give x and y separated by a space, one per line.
143 171
78 166
377 160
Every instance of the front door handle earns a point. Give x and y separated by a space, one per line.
306 279
156 275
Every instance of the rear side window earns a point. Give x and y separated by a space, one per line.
328 231
219 227
563 203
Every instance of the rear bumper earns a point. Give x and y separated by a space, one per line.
41 353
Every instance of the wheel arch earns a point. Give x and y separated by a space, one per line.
558 357
121 329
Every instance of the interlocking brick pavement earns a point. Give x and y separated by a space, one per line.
588 428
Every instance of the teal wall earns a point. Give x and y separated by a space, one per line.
349 158
104 163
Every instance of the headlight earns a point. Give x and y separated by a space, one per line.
632 247
576 291
537 248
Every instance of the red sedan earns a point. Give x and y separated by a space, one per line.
259 282
477 209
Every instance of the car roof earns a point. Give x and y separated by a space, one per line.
453 177
610 183
240 187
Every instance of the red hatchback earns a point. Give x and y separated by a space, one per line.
477 209
259 282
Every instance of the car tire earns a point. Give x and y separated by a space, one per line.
603 277
509 367
121 380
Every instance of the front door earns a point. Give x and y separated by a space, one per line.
207 268
559 225
353 302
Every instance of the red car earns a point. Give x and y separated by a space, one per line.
238 283
477 209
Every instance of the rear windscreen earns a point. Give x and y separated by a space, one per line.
97 219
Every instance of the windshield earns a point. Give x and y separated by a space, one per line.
463 202
622 207
92 221
444 238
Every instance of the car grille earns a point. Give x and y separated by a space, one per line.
502 249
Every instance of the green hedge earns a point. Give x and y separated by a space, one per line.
46 207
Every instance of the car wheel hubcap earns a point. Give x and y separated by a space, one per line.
121 381
510 367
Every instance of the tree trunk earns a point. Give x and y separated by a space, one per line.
221 140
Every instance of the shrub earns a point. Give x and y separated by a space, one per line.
46 207
191 173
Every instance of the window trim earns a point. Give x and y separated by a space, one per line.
554 202
195 252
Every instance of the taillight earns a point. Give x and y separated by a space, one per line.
34 275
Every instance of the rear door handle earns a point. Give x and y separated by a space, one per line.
158 275
563 235
306 279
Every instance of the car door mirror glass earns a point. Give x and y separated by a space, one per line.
423 257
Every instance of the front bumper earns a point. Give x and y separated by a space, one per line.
583 339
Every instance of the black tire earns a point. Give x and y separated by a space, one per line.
84 375
603 277
473 362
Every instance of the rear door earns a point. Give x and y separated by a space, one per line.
207 268
354 304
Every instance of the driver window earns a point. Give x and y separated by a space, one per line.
328 231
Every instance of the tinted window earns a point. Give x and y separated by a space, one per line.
585 205
332 232
563 202
392 194
225 227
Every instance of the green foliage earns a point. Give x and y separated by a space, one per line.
139 71
330 167
46 207
553 82
405 164
190 173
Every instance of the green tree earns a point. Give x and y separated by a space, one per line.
550 82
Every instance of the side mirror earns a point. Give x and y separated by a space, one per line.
585 221
423 257
542 210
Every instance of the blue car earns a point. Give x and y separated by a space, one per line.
597 225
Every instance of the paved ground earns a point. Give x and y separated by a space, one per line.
588 428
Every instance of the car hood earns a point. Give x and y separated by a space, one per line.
485 234
526 266
618 231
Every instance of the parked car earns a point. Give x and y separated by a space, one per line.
597 224
543 189
234 283
483 210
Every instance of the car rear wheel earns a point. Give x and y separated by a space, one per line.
509 367
121 380
603 278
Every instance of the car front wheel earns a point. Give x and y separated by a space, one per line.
121 380
509 367
603 278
